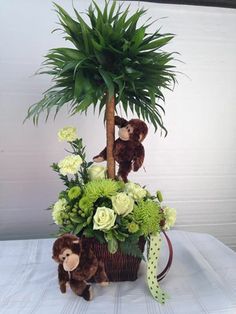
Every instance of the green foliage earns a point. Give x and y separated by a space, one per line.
131 247
79 149
111 241
65 179
113 55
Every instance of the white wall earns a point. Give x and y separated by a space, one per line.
194 166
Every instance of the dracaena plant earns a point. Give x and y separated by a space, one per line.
115 59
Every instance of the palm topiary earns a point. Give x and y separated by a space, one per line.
114 60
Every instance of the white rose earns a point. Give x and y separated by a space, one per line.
97 172
135 191
122 204
104 219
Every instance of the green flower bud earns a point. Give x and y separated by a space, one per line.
159 196
89 219
133 227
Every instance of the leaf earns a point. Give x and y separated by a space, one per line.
88 232
99 236
79 84
78 220
108 81
157 43
78 228
120 236
85 31
113 6
130 247
138 37
83 106
96 46
112 246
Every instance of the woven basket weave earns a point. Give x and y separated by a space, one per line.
118 266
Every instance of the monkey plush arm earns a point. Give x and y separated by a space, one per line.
101 157
63 278
120 122
87 267
138 157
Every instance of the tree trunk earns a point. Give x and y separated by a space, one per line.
110 132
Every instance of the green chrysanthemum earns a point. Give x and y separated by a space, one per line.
74 192
85 203
148 215
101 188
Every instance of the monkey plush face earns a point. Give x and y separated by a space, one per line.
135 130
125 132
66 251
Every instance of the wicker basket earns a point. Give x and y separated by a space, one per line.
118 266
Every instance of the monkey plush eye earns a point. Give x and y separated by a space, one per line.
65 253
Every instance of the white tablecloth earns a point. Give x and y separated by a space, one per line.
202 279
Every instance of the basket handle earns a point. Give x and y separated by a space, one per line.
170 259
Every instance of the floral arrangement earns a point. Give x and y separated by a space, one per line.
96 207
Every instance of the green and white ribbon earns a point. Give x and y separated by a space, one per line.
153 259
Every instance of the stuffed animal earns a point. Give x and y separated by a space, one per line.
128 150
77 266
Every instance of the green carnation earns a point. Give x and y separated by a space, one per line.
74 192
68 134
70 164
170 217
58 211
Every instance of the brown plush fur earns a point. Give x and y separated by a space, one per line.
128 150
89 268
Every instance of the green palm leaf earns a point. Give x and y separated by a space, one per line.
111 55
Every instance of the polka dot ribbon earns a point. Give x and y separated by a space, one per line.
153 258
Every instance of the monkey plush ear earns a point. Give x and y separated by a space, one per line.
141 137
55 259
77 246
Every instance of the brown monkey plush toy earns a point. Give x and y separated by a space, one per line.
128 150
77 266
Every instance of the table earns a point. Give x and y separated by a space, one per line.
202 279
